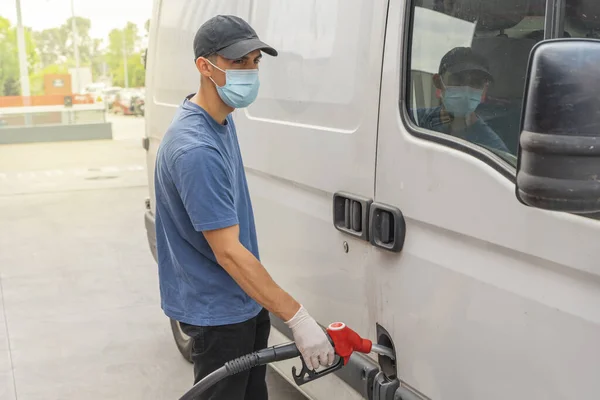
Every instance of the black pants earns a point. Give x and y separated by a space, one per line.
213 346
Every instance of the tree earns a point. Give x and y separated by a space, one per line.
9 63
87 45
56 44
11 87
51 51
51 45
120 42
97 58
136 70
9 57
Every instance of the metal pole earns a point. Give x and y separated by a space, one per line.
125 60
23 68
75 45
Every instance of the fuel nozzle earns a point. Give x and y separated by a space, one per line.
346 341
384 351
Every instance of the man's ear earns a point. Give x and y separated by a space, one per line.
204 67
437 81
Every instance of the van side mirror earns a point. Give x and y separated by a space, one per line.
558 164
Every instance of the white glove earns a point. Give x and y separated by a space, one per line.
311 340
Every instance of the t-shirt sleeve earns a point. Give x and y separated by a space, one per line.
487 137
205 188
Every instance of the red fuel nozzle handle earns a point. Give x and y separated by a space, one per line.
346 341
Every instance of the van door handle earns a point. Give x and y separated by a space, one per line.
387 227
351 214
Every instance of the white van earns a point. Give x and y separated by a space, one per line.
411 234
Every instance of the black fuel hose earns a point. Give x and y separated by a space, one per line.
243 363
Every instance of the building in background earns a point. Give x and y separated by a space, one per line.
80 78
57 84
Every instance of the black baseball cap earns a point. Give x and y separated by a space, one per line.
230 37
461 59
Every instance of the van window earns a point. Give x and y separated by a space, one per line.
582 19
318 78
468 63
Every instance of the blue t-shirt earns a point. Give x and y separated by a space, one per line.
478 133
201 185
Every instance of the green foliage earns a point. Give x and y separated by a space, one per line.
52 51
9 58
11 87
121 46
51 46
135 70
56 46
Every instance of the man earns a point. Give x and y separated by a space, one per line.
211 279
462 82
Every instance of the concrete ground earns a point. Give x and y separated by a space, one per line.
79 304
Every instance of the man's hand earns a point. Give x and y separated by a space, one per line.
311 340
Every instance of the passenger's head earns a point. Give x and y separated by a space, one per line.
223 46
463 79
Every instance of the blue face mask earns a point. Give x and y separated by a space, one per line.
461 100
241 87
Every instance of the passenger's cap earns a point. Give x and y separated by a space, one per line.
463 59
230 37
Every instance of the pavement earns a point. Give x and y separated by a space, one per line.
79 302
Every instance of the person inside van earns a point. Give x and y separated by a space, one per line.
210 274
461 84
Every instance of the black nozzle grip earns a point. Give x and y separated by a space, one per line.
262 357
277 353
308 375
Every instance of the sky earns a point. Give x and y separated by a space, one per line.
104 14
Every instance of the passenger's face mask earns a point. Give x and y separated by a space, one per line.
461 100
241 86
